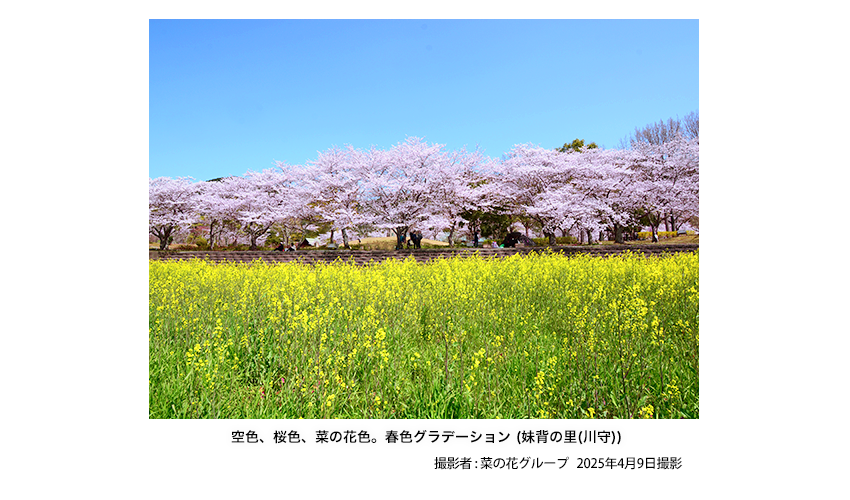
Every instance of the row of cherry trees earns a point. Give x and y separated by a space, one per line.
416 185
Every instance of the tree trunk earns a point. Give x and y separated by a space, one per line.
589 236
164 235
552 240
451 238
211 241
401 233
254 233
618 233
345 240
654 219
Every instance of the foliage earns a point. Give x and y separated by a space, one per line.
493 223
576 146
538 336
415 185
645 235
201 243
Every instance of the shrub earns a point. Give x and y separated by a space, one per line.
202 243
645 235
273 240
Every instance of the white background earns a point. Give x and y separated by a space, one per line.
74 350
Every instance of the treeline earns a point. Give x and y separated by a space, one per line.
650 181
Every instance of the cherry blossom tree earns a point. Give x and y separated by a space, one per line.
662 138
412 185
260 199
337 192
398 185
530 174
462 182
419 185
171 207
681 180
215 204
606 181
667 180
588 189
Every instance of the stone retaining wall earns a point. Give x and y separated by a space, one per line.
364 257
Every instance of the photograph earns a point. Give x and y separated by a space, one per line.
424 219
404 250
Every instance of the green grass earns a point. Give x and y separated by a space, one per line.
538 336
675 240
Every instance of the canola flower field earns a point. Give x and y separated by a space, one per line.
536 336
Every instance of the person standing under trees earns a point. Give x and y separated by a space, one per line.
416 238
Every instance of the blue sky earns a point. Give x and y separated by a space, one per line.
228 96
